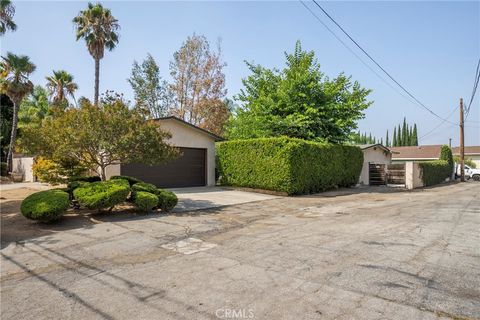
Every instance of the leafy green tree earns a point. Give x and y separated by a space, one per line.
61 86
34 108
151 92
298 101
14 82
99 28
98 136
7 11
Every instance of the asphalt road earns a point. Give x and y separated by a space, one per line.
370 254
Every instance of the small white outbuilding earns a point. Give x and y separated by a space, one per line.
375 157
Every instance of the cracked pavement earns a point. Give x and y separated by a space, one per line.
368 253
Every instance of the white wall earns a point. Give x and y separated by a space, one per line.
24 166
413 174
183 135
373 155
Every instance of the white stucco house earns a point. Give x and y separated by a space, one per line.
195 166
376 154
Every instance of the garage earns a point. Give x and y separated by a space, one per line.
195 166
188 170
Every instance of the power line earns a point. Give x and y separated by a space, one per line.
474 90
354 53
436 127
379 66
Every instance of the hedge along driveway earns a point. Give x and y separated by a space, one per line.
288 165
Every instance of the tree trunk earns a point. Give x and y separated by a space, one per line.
103 173
97 80
13 136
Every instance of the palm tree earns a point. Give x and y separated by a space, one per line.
34 108
99 29
7 10
60 86
15 84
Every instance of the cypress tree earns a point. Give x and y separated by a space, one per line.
387 143
394 142
405 133
410 136
370 138
399 136
381 141
415 135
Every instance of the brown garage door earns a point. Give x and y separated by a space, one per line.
188 170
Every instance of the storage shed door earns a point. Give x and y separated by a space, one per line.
188 170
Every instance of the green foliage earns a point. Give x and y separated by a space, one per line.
362 138
446 154
102 194
406 135
288 165
45 205
298 101
99 136
167 200
468 161
47 170
145 200
151 92
6 117
145 187
435 172
3 169
34 108
131 180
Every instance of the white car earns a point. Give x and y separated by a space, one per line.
470 173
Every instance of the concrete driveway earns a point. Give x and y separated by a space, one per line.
369 254
190 199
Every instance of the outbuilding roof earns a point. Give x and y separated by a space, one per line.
211 134
377 145
429 152
469 150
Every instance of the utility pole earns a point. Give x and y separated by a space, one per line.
462 144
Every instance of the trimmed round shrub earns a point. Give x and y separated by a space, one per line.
145 200
102 194
131 180
74 185
85 178
167 200
45 205
146 187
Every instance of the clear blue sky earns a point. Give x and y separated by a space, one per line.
430 47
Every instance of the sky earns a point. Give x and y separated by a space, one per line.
431 48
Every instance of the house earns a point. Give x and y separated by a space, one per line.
373 155
471 152
195 166
415 153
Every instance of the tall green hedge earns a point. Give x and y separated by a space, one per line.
288 165
435 172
